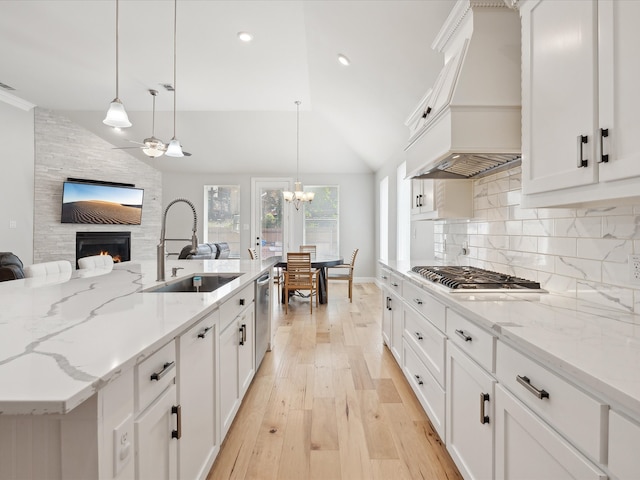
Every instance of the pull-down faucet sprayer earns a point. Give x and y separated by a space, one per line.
161 245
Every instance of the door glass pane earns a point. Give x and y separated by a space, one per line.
321 220
222 211
271 222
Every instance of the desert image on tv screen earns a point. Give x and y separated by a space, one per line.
101 204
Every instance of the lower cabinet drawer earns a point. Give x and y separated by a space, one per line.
424 303
624 440
428 342
575 414
154 374
232 307
472 340
429 392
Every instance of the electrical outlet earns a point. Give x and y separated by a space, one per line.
122 444
634 269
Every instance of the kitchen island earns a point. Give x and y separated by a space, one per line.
511 376
71 350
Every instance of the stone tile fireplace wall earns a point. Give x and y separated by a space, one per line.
64 149
581 252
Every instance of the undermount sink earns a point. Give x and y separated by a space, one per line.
208 283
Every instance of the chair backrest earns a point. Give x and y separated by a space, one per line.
310 249
353 258
298 268
96 261
253 255
47 268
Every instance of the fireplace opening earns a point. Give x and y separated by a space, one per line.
116 244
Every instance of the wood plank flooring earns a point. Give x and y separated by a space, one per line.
330 402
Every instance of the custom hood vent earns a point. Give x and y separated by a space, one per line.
469 123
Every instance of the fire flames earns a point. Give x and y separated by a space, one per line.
116 258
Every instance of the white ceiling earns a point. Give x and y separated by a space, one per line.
235 101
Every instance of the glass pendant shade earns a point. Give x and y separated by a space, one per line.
174 149
117 115
298 196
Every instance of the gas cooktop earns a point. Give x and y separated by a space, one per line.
472 278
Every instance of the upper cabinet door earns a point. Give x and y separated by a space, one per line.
619 77
559 96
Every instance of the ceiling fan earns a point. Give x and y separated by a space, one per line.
152 147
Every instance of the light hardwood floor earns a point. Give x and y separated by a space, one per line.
330 402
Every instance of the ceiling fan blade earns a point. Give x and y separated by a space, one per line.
137 143
186 154
123 148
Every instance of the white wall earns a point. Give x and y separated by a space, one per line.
357 207
16 192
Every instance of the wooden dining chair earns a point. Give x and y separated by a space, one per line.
300 276
253 255
343 272
309 248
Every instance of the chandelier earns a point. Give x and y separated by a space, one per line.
298 196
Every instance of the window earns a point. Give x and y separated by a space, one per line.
384 219
222 213
321 220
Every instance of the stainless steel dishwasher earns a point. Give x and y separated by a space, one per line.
263 316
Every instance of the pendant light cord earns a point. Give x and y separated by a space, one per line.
117 42
297 140
175 30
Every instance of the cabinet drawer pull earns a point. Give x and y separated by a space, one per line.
419 336
177 410
582 140
463 335
204 332
166 368
242 302
484 397
394 284
526 383
604 133
384 277
426 112
418 301
419 379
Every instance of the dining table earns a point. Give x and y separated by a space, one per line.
321 263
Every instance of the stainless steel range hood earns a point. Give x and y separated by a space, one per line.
469 123
467 165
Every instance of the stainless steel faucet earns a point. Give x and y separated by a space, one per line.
161 245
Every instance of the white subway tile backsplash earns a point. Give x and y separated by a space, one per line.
605 249
577 252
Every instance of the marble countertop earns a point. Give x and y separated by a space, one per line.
62 338
598 346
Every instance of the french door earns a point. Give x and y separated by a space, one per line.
269 217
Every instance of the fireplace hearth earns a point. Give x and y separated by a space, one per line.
116 244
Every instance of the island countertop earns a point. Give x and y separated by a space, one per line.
63 338
597 345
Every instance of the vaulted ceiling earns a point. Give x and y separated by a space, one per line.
235 101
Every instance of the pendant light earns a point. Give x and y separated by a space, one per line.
174 149
153 147
298 196
117 115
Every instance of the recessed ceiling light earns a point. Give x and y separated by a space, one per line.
344 60
245 37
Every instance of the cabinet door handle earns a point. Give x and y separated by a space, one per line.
526 383
204 332
418 301
582 140
421 204
389 303
419 379
419 336
177 410
484 397
243 334
604 133
464 336
166 368
417 200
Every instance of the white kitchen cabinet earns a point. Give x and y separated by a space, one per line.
387 331
624 438
157 431
527 447
469 415
392 324
196 394
237 364
579 101
436 199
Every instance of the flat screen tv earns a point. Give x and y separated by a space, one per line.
99 203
